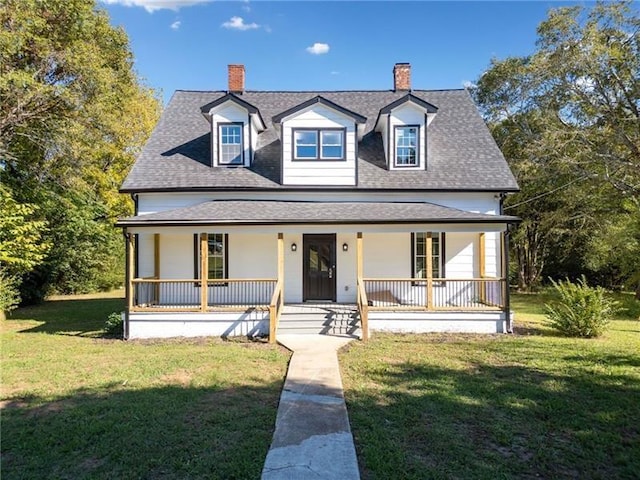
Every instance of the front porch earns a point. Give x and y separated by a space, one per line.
168 307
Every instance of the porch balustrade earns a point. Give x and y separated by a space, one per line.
151 294
435 294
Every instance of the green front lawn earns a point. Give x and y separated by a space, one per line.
528 405
78 405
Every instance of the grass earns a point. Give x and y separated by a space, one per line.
78 405
528 405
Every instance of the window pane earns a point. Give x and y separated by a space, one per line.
216 249
306 138
421 269
406 145
331 151
230 134
306 152
420 260
230 144
331 138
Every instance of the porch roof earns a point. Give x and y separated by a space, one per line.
263 212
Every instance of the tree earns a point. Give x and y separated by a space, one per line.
73 116
567 119
22 246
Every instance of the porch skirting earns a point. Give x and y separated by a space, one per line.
427 322
250 323
255 322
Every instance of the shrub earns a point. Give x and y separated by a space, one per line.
581 310
114 325
9 295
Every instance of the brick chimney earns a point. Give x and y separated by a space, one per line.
236 78
402 76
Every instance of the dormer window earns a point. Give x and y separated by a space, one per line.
406 146
319 144
231 148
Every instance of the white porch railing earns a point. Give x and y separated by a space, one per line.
468 294
160 295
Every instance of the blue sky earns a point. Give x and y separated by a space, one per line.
331 45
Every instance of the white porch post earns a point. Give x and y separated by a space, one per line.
429 258
204 270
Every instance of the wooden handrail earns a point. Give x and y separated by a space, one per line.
197 280
419 279
275 308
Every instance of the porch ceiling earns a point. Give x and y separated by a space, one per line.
261 212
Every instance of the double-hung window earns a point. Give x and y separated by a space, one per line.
406 146
419 249
218 254
318 144
230 140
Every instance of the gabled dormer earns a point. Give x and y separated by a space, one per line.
319 143
404 124
235 125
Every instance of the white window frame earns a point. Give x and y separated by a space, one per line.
296 144
396 146
237 159
319 144
323 144
437 259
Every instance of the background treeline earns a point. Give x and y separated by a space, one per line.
567 119
73 116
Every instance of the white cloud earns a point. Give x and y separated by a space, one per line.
267 28
237 23
335 72
318 48
153 5
246 6
176 25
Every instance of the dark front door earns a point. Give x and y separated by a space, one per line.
319 267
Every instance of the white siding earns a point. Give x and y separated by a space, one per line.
318 172
253 256
468 201
145 255
387 255
293 269
346 268
461 254
407 114
176 256
492 254
225 114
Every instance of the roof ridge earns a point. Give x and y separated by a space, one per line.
326 91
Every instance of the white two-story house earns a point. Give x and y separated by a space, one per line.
383 204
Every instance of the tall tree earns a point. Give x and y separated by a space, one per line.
567 118
73 115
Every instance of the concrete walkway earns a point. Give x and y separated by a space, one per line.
312 439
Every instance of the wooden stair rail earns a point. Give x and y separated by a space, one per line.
363 309
275 309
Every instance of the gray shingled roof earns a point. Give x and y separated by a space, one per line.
283 212
461 154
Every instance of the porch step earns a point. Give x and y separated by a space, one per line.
317 319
